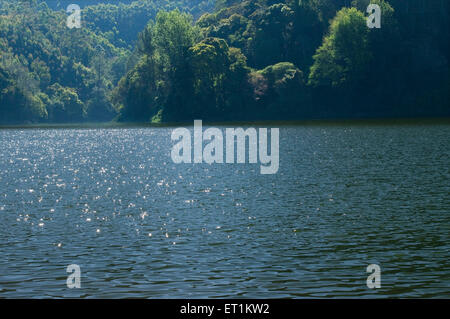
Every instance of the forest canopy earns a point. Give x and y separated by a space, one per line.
228 60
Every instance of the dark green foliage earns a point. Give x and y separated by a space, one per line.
52 73
53 70
180 76
317 58
247 60
282 92
121 22
344 52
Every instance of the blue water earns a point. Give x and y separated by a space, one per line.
112 201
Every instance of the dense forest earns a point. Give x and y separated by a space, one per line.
223 60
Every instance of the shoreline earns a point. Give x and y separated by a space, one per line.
286 123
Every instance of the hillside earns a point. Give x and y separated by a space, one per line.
284 60
50 73
223 61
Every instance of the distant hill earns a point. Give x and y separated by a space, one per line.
62 4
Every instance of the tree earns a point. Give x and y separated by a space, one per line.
281 91
344 53
173 35
218 73
65 106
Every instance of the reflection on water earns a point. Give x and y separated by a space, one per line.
112 201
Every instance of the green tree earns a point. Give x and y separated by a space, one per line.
65 106
218 73
281 92
344 53
173 35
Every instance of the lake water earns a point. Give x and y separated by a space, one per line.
111 201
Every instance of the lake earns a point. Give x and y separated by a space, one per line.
111 200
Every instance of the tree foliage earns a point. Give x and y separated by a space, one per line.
224 60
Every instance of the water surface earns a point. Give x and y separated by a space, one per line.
112 201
